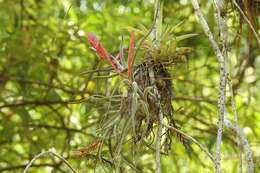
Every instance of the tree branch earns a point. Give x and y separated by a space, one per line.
248 21
15 167
156 43
202 147
49 152
244 142
41 103
222 82
39 83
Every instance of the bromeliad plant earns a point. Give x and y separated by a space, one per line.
139 109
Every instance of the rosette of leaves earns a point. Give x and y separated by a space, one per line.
167 49
163 44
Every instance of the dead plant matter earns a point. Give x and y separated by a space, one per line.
147 114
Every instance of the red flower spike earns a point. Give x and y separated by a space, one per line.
131 54
103 53
96 44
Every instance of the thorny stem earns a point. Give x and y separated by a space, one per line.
49 152
222 82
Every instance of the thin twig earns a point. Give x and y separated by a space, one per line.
49 152
46 126
202 147
96 71
152 77
41 103
248 21
153 34
244 142
222 82
39 83
22 166
53 102
234 110
222 26
158 143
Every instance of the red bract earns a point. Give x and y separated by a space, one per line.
102 52
131 54
115 62
96 44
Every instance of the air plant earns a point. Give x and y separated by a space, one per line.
139 110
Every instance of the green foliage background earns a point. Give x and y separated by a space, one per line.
46 63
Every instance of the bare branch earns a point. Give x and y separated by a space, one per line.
49 152
57 128
41 103
22 166
156 43
202 147
248 21
39 83
222 82
244 142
